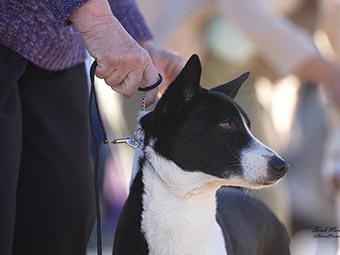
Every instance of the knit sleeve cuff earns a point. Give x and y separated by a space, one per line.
129 15
62 9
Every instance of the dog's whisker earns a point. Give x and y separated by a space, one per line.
239 165
232 153
246 193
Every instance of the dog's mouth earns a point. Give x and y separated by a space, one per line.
268 183
273 176
263 183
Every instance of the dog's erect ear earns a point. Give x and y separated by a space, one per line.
231 88
187 82
183 88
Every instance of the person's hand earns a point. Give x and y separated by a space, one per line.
332 83
122 62
325 73
168 63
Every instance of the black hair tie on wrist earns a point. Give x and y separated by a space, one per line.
160 79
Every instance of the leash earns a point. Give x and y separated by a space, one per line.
135 141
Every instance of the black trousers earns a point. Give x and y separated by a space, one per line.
46 180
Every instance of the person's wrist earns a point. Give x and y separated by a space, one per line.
92 8
315 69
149 46
92 14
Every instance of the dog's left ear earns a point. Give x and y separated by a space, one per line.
232 87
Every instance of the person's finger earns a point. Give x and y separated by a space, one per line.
118 88
150 75
116 78
103 69
131 83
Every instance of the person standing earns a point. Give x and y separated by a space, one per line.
46 191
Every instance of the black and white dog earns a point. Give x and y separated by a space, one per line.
197 141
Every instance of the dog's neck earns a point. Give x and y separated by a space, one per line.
179 209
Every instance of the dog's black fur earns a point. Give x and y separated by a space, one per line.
129 239
249 227
174 123
203 130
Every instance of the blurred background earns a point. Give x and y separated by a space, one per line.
292 48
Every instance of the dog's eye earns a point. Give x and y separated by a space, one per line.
228 124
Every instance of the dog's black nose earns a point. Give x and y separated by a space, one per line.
278 165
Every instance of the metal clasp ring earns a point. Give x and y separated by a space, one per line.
133 142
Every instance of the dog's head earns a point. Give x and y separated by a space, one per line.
205 131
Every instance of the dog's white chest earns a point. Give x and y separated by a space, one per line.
179 226
216 244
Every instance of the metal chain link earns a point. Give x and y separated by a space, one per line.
137 138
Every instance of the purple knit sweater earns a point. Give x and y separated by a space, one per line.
34 29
